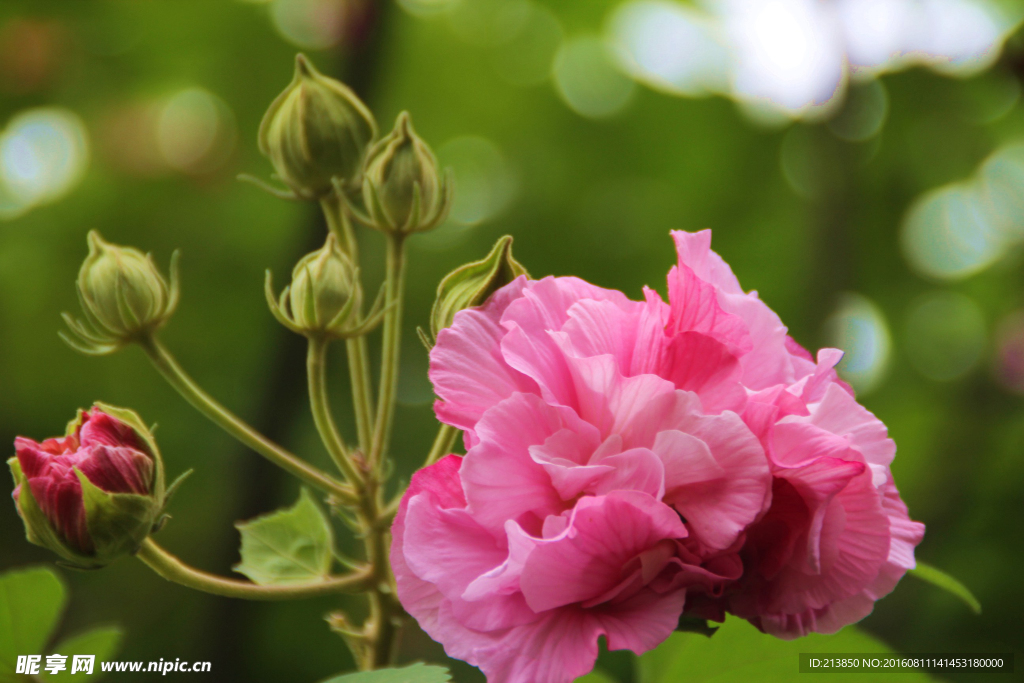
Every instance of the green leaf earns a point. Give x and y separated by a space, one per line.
31 602
740 653
417 673
939 578
292 545
595 677
103 642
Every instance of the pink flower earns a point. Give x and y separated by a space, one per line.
105 450
622 462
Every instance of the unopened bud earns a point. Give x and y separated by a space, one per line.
95 494
324 297
472 284
123 295
315 131
403 188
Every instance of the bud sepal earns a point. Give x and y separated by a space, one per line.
471 284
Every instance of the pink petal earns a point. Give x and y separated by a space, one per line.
468 371
501 479
717 475
839 413
99 427
694 251
597 328
118 470
586 560
697 362
695 308
637 469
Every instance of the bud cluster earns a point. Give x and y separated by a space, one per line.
320 137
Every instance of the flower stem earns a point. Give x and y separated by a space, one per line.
171 568
166 364
390 348
339 222
443 443
316 369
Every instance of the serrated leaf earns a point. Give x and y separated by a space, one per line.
31 602
103 642
740 653
939 578
291 545
416 673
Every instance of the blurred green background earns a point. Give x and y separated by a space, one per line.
882 225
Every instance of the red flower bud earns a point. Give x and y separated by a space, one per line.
95 493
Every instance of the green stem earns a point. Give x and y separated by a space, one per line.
171 568
380 633
340 223
177 377
316 370
359 373
443 443
390 348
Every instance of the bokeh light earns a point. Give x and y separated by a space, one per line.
790 58
195 131
485 185
525 58
1009 352
43 154
863 113
1001 186
310 24
948 234
858 327
784 51
588 80
671 47
945 335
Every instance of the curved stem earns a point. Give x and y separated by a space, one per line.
171 568
391 346
236 427
316 370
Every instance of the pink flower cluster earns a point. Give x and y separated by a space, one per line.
629 461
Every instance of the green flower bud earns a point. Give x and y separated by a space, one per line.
123 295
315 131
471 285
95 494
403 189
325 296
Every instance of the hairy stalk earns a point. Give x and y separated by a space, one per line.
171 568
316 371
166 364
391 346
380 632
340 223
376 645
